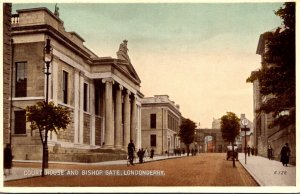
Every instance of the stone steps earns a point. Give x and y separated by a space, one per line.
86 157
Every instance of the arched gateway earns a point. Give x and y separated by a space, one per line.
216 143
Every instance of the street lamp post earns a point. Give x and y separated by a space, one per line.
245 123
48 58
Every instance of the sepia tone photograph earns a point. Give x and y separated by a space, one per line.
149 96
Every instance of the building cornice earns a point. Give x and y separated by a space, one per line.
160 105
49 30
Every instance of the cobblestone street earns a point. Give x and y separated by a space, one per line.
201 170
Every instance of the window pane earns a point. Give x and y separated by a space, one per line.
20 122
65 87
85 96
153 121
21 79
153 140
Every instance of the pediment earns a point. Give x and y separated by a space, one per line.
129 69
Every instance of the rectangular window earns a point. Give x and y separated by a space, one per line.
20 122
21 79
153 121
65 87
97 98
153 140
85 97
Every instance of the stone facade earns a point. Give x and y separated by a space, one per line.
215 144
161 132
263 135
7 59
102 93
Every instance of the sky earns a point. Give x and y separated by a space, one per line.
199 54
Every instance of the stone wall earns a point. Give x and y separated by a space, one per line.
32 53
6 70
98 124
67 135
86 129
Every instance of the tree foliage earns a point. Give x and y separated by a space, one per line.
277 74
230 126
187 131
47 117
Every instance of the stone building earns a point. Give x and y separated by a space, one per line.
7 55
263 135
103 93
161 119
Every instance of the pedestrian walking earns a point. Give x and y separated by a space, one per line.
285 154
248 150
7 159
146 154
140 154
131 149
252 151
270 152
152 153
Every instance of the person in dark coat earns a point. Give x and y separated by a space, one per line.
7 159
248 150
270 152
285 154
131 149
152 153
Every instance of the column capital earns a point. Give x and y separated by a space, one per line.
81 73
109 79
128 92
121 87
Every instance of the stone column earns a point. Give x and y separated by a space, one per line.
109 126
118 119
81 114
92 111
126 119
133 120
76 107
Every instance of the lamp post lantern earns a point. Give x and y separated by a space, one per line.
48 58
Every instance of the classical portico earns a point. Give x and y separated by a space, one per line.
120 113
118 101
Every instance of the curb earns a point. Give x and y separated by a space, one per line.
260 183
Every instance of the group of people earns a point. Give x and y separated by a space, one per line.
252 151
141 153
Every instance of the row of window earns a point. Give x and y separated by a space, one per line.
21 84
20 126
172 123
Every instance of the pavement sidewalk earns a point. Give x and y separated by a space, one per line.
269 172
18 173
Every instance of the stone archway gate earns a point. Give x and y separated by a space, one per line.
218 143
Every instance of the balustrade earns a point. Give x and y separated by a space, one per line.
15 19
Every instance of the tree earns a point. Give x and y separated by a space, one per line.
277 74
230 128
47 117
187 132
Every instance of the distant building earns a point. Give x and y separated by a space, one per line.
161 119
240 139
263 135
216 124
103 93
